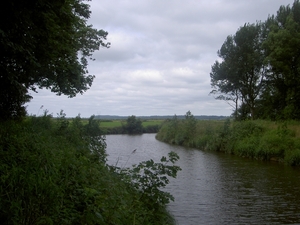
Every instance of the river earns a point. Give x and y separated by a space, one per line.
217 188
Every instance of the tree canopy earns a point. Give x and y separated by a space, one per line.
283 58
259 67
44 44
241 72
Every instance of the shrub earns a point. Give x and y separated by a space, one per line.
148 178
264 140
54 172
247 147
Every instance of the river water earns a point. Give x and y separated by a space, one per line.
217 188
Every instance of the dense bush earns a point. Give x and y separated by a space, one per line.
264 140
151 129
120 130
186 132
133 125
54 172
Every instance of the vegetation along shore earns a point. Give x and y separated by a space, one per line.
258 139
258 75
55 172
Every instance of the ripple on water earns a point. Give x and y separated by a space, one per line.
217 188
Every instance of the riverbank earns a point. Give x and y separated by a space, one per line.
262 140
55 172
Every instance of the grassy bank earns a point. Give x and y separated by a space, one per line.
263 140
117 126
54 172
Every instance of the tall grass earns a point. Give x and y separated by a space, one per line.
54 172
263 140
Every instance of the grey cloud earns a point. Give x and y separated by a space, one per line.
160 57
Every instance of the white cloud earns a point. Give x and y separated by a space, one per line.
160 57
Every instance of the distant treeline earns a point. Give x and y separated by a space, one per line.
123 130
132 125
201 117
140 125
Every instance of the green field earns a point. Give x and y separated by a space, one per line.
111 123
118 123
152 122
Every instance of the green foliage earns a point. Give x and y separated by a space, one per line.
292 157
179 132
169 130
53 171
240 74
190 127
116 127
259 72
44 45
148 179
280 96
263 140
133 125
151 128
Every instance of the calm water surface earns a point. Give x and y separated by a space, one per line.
216 188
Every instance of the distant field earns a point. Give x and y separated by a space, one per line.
152 122
118 123
112 123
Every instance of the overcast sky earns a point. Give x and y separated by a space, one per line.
160 57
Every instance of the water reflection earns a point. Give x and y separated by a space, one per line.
218 188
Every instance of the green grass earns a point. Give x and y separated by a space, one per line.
152 122
111 124
118 123
259 139
116 126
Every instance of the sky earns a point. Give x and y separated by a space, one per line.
160 58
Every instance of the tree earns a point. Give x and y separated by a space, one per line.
227 91
189 128
44 44
133 125
283 58
240 74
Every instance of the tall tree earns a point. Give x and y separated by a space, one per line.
44 44
240 73
225 89
283 57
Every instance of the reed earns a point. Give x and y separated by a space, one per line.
258 139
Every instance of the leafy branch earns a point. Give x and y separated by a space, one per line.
149 178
